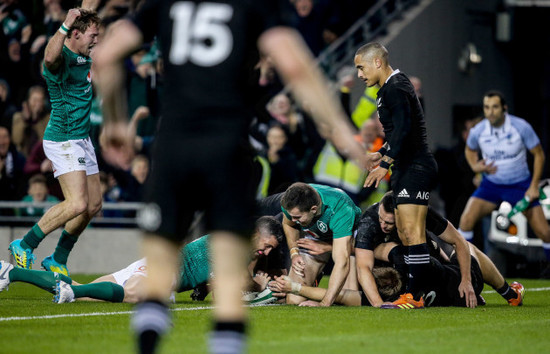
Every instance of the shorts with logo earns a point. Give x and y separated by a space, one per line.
412 183
136 268
497 193
71 155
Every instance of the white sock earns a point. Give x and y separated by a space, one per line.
468 235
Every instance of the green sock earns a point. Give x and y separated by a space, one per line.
33 238
44 280
64 247
102 291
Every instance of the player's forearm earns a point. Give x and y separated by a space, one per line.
464 260
368 285
121 39
90 4
538 165
471 158
54 48
292 235
336 282
111 88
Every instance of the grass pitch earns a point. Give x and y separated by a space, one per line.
31 323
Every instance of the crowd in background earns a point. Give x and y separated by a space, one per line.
284 138
287 145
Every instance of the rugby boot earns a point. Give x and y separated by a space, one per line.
5 268
405 302
23 256
520 291
52 265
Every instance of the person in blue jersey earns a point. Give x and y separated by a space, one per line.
503 140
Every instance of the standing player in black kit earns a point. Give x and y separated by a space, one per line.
414 168
200 161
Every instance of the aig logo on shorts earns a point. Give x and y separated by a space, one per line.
322 226
149 217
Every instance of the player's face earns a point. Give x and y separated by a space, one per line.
88 40
366 70
387 220
263 245
303 218
493 110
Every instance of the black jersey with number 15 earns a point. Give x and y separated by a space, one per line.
208 48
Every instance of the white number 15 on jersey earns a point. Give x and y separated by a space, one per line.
200 34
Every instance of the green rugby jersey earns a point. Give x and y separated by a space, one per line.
70 89
195 267
339 215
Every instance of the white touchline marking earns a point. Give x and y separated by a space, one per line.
91 314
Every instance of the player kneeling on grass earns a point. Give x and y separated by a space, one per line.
124 285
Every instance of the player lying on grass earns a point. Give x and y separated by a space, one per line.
124 285
443 288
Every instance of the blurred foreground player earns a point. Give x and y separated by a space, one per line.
208 49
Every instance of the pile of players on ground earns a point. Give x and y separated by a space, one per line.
319 228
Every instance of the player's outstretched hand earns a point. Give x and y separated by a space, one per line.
482 166
372 160
375 176
314 248
262 279
72 15
466 290
280 286
116 141
298 265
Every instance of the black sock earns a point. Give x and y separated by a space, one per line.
151 319
506 291
228 338
419 263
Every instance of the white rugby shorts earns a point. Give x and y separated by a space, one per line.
136 268
71 155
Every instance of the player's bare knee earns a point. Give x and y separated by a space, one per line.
77 207
94 208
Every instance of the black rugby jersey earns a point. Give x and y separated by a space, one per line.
402 117
209 49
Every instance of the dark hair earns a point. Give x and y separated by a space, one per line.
388 281
493 93
270 225
85 20
387 202
300 195
373 48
